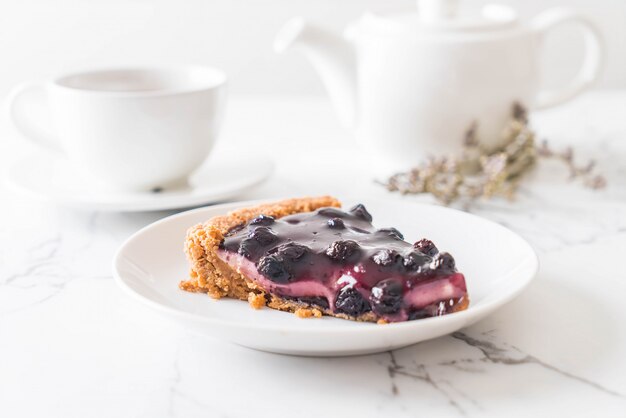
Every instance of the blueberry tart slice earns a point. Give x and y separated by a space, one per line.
309 257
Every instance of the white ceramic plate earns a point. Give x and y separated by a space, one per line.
497 263
48 177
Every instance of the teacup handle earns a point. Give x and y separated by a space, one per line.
592 62
21 102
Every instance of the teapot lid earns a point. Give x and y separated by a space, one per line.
443 15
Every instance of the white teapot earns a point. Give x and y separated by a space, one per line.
410 85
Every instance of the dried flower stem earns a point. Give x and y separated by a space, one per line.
482 173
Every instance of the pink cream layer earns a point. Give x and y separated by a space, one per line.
450 288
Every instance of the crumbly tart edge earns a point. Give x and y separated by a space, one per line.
209 274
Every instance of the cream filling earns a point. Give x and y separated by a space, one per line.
420 296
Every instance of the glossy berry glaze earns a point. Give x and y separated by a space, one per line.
338 261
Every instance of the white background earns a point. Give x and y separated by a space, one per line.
41 38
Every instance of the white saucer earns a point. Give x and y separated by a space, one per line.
51 178
497 263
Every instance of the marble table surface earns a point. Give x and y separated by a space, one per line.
73 345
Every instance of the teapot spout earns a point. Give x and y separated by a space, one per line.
332 56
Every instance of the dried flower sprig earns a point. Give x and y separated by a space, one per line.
585 172
485 173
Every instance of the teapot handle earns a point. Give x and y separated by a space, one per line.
592 62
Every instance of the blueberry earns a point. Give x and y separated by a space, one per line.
331 212
342 250
263 235
413 261
360 212
292 251
351 302
274 268
426 246
231 245
248 248
444 261
387 296
336 223
392 232
386 257
262 220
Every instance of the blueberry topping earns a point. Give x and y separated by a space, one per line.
336 223
230 245
319 301
360 212
329 246
391 232
387 296
342 250
332 212
292 251
274 268
262 220
263 235
420 314
444 261
248 248
351 302
426 246
359 230
415 262
387 257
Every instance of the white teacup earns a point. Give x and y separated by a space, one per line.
129 129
